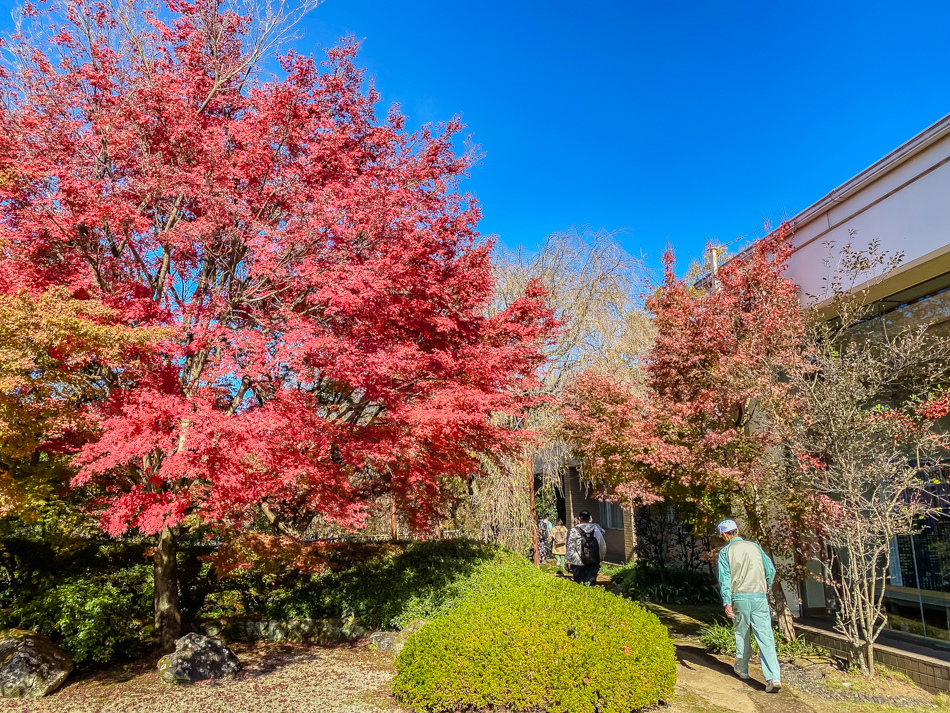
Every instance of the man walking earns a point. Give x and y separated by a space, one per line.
745 577
586 549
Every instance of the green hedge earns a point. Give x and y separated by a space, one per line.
522 641
95 600
95 620
386 586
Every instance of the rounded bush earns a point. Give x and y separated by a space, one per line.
534 642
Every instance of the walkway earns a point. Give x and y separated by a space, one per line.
706 684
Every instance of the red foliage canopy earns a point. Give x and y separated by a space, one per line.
684 431
323 279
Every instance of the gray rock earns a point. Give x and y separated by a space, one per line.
403 636
212 627
319 631
352 629
197 658
30 664
275 631
383 640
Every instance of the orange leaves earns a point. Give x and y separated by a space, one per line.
49 342
268 554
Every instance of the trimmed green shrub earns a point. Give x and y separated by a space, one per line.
386 586
666 585
720 639
94 619
522 640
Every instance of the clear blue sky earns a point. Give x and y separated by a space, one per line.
677 121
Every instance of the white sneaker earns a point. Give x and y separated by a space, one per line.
773 686
743 676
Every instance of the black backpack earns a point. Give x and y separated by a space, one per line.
590 549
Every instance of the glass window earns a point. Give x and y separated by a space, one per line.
611 515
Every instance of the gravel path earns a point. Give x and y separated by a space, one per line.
276 678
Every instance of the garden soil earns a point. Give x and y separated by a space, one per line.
275 678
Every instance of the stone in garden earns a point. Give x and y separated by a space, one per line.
403 636
351 628
197 658
383 640
30 664
320 631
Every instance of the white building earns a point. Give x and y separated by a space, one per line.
903 202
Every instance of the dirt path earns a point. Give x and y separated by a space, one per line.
276 679
706 684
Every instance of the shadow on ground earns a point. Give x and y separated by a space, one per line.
686 620
263 659
707 684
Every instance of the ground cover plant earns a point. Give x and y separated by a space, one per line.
720 639
522 640
385 585
665 585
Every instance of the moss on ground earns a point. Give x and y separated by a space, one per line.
685 620
690 702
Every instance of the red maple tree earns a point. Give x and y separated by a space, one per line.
683 430
322 277
687 432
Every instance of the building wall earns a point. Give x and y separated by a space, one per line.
577 497
901 201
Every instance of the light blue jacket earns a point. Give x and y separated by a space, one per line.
744 570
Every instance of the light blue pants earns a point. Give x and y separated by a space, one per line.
752 612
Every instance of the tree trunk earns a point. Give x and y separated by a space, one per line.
393 518
534 512
786 622
167 609
863 657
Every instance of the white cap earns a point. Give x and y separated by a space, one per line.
727 526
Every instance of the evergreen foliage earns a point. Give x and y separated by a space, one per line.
665 585
521 640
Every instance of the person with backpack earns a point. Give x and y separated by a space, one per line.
559 542
586 549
